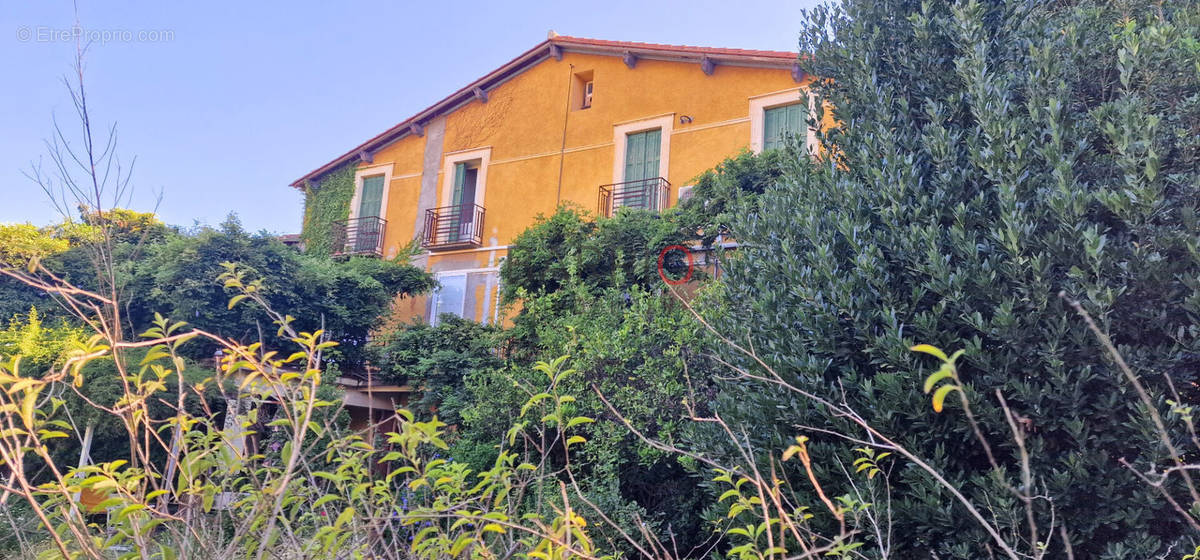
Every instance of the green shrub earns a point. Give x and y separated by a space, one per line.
435 360
989 156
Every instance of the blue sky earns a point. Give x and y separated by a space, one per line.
225 103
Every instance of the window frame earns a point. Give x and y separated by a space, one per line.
758 110
360 176
435 310
489 307
481 155
589 88
621 131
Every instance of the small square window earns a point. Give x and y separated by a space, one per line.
581 90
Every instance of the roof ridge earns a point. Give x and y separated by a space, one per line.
569 39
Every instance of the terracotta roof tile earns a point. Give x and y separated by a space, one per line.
674 49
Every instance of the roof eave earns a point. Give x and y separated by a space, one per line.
448 103
531 57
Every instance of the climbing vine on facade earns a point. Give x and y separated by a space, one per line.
325 203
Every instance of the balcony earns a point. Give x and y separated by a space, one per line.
359 237
648 194
453 227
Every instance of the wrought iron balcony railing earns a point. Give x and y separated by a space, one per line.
453 227
359 236
649 194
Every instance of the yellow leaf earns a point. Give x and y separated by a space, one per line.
939 397
931 350
27 408
946 371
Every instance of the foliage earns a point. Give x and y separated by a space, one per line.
346 299
719 192
20 243
435 360
590 288
315 494
40 345
989 156
632 346
68 249
568 248
324 204
121 224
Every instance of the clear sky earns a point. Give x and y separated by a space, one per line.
225 103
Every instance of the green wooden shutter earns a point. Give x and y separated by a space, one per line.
370 200
771 128
794 123
453 219
460 178
653 153
642 159
780 123
635 157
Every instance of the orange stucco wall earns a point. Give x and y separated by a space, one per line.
527 124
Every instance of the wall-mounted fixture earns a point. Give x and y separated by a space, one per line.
684 119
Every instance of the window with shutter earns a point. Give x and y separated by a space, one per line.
642 155
370 199
367 232
781 123
462 219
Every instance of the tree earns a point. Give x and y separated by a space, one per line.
347 299
435 360
571 248
989 156
719 192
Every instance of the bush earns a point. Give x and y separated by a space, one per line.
435 360
989 156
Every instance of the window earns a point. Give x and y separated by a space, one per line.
362 232
371 191
449 297
582 87
641 186
466 177
370 202
632 157
775 117
782 123
371 197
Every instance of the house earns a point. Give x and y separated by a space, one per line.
600 124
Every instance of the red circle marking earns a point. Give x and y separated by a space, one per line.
662 273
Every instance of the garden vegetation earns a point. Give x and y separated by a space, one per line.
965 328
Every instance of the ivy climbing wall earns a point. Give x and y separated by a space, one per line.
325 203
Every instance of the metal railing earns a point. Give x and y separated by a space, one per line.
452 227
648 194
359 236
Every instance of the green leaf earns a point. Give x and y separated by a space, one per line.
577 421
235 299
344 517
946 371
325 500
461 544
